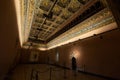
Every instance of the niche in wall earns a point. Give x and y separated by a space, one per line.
34 56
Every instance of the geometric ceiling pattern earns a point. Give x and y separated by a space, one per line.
46 23
50 14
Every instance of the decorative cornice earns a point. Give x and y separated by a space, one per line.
98 20
27 12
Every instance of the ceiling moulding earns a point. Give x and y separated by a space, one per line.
101 22
98 23
26 13
28 45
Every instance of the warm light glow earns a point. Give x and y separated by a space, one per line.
17 7
75 53
42 49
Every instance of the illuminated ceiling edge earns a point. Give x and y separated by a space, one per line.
91 33
93 23
18 10
88 34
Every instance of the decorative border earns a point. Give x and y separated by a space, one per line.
27 13
98 20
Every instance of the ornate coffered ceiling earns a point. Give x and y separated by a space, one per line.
49 15
43 21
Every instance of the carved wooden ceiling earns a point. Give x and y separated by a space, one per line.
45 20
49 15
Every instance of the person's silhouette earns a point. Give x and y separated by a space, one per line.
74 66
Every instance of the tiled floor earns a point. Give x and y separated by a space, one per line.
29 72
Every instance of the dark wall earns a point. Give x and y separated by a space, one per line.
8 36
114 6
26 54
98 55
